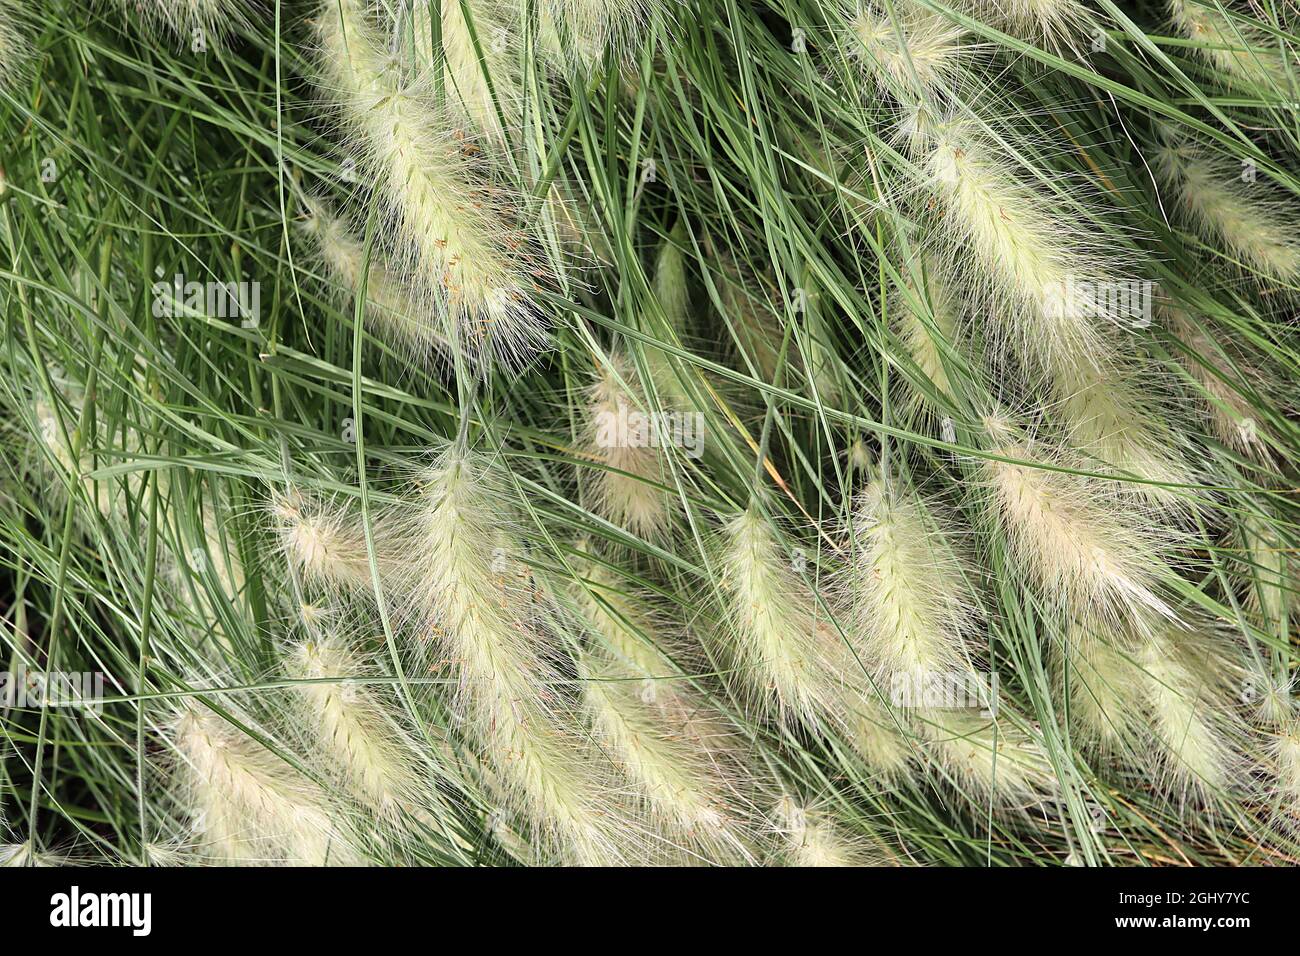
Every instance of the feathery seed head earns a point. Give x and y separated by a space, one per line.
1286 758
670 280
1224 380
916 49
12 50
812 838
1191 721
1160 698
389 304
25 854
456 229
480 61
581 31
623 436
1236 46
1257 223
249 805
200 24
504 642
913 605
1082 547
324 541
350 727
679 761
788 663
988 756
1034 262
1056 24
1109 418
675 748
930 338
1107 694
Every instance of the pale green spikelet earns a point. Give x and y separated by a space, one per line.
676 749
468 257
813 838
622 433
480 61
1089 553
915 48
395 314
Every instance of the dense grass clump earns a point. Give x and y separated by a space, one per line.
724 432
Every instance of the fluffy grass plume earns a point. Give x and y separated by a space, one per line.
928 328
410 326
467 254
504 658
1106 414
480 60
978 753
582 31
1085 550
675 748
1032 257
12 42
250 806
812 838
790 663
198 23
375 756
1225 384
1234 45
915 612
912 598
324 541
622 436
870 279
1164 700
1061 24
1257 225
915 48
